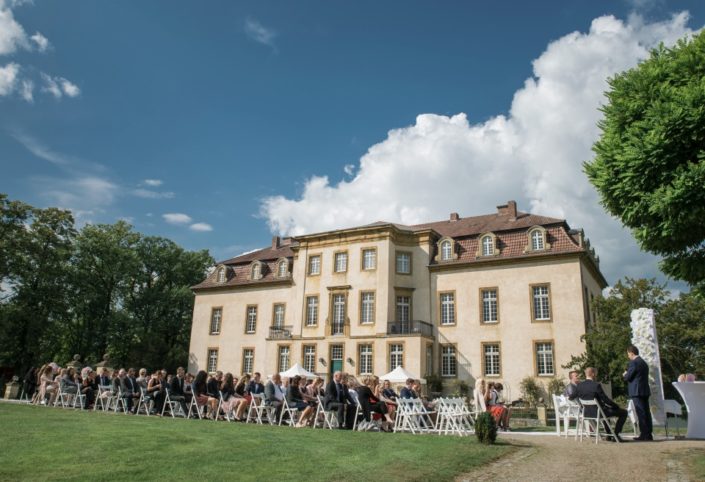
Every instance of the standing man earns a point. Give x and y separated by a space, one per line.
637 378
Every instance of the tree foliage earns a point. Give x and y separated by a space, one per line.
680 327
649 166
103 289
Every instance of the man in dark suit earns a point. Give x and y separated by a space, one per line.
104 378
176 389
337 397
637 378
572 387
408 390
255 386
591 390
131 390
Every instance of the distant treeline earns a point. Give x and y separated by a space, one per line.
100 289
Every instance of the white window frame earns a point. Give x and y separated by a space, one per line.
309 358
216 321
369 259
212 360
312 310
490 305
403 262
278 315
365 359
396 355
541 302
284 358
251 321
447 308
449 361
487 245
446 250
544 357
340 262
367 307
314 267
248 360
221 275
492 357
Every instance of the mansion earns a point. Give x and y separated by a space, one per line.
500 296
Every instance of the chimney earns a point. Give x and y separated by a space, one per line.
276 242
454 217
509 209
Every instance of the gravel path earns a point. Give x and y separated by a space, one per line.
550 458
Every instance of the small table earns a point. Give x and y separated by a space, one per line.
693 394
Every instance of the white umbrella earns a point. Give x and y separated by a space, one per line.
399 375
297 370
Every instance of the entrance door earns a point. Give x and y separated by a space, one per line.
336 358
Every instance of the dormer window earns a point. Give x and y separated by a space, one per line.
221 275
282 268
487 245
256 270
446 249
537 240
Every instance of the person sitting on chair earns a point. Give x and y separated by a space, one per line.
369 403
68 382
295 399
589 389
273 394
574 377
337 398
408 390
176 387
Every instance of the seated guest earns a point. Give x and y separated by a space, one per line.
47 387
104 378
690 377
188 387
389 396
142 380
243 397
176 389
369 403
88 388
255 386
408 390
496 408
130 390
589 389
574 379
337 398
214 384
273 394
227 389
154 390
199 388
295 399
68 382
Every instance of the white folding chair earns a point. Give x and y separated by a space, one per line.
452 417
64 399
592 424
256 410
631 413
79 400
102 399
172 405
229 415
292 413
119 402
566 411
328 418
145 403
200 411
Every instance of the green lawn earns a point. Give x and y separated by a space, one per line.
40 443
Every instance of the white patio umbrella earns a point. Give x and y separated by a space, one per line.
399 375
297 370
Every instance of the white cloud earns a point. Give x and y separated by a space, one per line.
8 78
201 227
177 218
349 169
259 33
534 155
59 86
42 151
150 194
153 182
27 90
40 41
12 35
84 196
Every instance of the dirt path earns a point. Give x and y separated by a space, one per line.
550 458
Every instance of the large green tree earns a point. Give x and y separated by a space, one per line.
649 165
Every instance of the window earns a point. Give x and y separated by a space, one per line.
541 309
212 360
396 356
489 312
369 259
429 359
367 307
278 315
221 275
447 308
446 250
544 358
338 314
491 360
487 245
216 318
449 364
311 310
248 360
283 358
364 362
251 323
341 262
256 271
403 263
283 269
537 240
310 358
314 265
403 309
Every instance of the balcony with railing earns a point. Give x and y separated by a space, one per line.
411 327
280 332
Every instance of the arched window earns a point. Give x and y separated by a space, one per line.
446 250
256 271
537 241
221 275
487 245
282 268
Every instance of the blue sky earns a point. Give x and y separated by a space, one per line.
218 123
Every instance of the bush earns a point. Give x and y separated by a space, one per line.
485 428
434 383
461 388
556 387
530 390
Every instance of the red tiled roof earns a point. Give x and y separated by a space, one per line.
485 224
239 275
284 251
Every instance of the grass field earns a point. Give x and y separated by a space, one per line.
39 443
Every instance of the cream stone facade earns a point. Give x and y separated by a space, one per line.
499 296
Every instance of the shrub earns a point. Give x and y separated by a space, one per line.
530 390
461 388
434 383
556 387
485 428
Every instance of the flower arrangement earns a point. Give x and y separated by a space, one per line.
644 338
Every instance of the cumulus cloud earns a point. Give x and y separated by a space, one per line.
59 86
177 218
259 33
534 154
153 182
8 78
12 35
40 41
82 195
202 227
150 194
